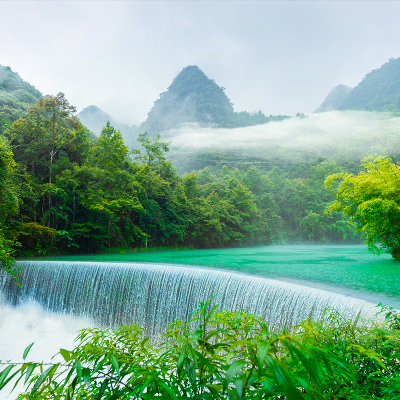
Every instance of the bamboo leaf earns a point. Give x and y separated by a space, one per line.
65 354
235 367
40 381
115 364
26 351
29 371
86 376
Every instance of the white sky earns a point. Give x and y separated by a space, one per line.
280 57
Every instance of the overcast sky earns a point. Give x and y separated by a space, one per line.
280 57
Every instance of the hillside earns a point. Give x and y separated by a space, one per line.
379 90
16 96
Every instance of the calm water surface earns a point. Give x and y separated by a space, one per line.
350 270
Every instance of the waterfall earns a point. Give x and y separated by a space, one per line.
153 295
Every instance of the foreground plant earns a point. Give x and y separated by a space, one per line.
223 355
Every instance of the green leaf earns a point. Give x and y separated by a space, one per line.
181 357
29 371
167 389
115 364
235 367
86 376
5 372
41 379
261 354
8 379
102 389
26 351
65 354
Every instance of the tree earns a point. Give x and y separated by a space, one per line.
110 152
46 142
154 150
371 200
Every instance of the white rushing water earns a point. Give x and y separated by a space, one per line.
152 296
59 298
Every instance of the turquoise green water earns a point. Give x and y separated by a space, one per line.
350 270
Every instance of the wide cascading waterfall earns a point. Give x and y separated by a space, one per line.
153 295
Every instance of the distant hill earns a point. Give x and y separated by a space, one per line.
95 120
378 91
335 99
194 98
16 96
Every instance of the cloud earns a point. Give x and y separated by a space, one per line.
337 134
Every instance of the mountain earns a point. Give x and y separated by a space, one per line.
16 96
335 99
95 120
378 91
192 97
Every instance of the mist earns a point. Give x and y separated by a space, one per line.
28 323
337 135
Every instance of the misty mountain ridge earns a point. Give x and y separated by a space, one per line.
379 91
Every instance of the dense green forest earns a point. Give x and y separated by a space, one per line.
68 191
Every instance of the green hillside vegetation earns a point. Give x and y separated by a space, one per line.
379 90
194 98
16 96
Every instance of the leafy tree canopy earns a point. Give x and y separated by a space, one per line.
371 200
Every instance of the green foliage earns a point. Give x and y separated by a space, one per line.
378 91
9 206
222 355
16 96
83 195
371 201
110 152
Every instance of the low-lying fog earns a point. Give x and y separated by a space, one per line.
341 135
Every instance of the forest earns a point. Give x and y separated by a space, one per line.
67 191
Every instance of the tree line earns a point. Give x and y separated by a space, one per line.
63 190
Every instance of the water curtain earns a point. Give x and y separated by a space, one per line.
153 295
